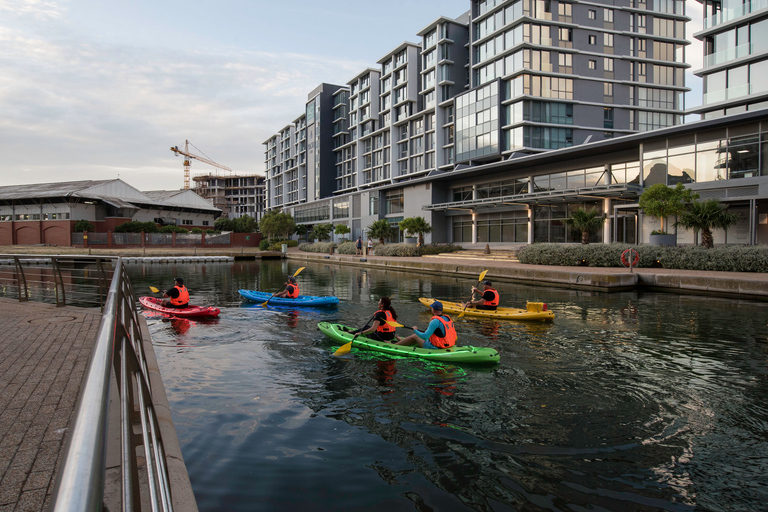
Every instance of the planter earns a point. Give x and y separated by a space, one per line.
666 239
411 240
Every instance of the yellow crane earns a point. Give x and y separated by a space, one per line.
189 155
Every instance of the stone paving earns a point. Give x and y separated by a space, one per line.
44 352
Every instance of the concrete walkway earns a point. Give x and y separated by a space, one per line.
44 352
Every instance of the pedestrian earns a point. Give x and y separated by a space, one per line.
359 246
370 247
440 332
176 297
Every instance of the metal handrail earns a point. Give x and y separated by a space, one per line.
88 288
118 358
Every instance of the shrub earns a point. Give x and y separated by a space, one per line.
196 231
397 250
136 227
83 225
728 258
439 248
347 248
323 247
173 229
264 244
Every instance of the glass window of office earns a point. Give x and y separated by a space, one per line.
393 202
462 228
507 227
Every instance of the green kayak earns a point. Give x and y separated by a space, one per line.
475 355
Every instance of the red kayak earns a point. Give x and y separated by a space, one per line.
154 304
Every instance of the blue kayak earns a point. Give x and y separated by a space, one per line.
301 300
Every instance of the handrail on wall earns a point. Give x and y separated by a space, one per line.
119 360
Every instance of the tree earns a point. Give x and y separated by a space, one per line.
706 216
661 201
301 230
83 225
416 226
380 229
588 222
245 224
322 231
277 223
341 229
224 224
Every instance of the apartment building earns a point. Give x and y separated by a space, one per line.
234 195
735 57
502 121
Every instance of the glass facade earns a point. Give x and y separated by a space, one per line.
477 123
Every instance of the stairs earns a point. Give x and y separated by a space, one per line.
509 255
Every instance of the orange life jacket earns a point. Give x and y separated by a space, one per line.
449 339
183 298
495 301
385 327
293 291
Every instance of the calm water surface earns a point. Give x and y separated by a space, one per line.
625 402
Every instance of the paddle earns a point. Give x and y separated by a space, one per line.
395 324
265 304
482 275
154 290
345 348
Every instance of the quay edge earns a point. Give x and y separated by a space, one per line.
719 284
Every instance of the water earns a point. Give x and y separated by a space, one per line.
625 402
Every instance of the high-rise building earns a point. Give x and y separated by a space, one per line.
500 123
735 57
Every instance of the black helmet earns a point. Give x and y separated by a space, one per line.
179 280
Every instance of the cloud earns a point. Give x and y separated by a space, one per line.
76 108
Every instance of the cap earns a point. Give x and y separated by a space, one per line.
487 283
179 280
437 305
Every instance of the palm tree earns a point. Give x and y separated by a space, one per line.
706 216
416 226
380 229
588 222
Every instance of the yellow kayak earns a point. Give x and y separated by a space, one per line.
533 311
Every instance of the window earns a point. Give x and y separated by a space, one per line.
608 40
592 39
592 64
608 118
608 64
608 15
592 14
186 222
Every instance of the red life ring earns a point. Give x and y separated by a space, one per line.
625 261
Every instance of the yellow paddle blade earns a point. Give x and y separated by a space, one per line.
344 349
482 275
394 324
154 290
297 272
264 304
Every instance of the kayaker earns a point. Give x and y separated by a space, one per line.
380 330
440 332
489 299
176 297
291 289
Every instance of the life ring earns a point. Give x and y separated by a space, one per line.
625 261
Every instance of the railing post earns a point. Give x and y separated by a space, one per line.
85 239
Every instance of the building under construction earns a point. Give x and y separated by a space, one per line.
235 195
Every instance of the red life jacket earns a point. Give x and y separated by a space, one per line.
183 298
449 339
495 301
385 327
293 291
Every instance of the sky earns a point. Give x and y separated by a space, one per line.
94 89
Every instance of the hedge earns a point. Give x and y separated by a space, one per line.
734 258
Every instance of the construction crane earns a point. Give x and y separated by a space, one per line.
189 155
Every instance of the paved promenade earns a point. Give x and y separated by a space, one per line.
746 285
44 352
